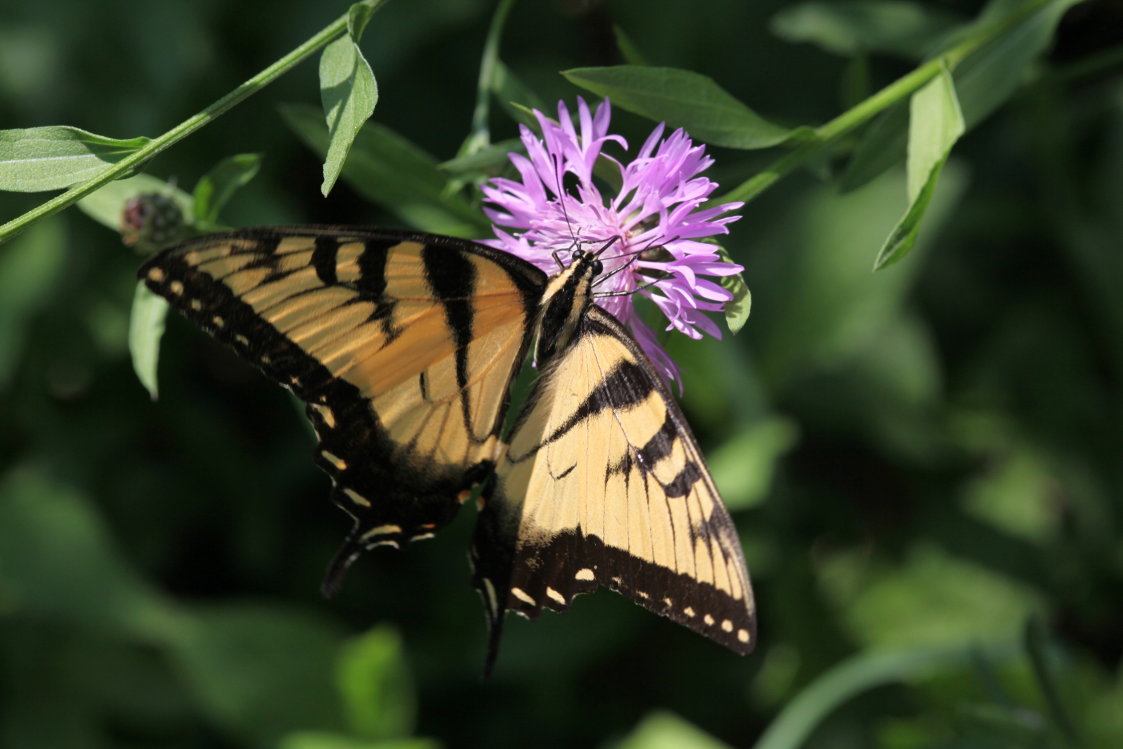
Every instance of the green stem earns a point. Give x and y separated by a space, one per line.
133 161
864 111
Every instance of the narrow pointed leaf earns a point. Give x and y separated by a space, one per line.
935 124
683 99
217 186
146 328
389 170
983 81
628 49
487 161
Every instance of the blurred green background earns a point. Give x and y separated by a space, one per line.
926 463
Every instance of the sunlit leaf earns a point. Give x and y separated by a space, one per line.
348 91
146 328
662 730
56 157
737 309
935 124
377 691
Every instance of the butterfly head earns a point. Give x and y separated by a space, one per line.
566 298
587 263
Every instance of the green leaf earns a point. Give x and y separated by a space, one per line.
216 187
683 99
348 91
378 694
30 269
859 674
744 465
56 157
737 309
58 562
853 27
929 596
146 328
486 161
258 671
387 169
325 740
663 730
1037 646
105 205
983 81
628 50
358 16
935 124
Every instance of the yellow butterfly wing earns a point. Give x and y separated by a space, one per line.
604 485
403 346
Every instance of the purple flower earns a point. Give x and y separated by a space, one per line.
655 219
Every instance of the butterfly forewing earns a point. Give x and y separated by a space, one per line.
401 344
604 485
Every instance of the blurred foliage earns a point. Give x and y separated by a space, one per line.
924 461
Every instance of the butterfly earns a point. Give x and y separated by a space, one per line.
404 347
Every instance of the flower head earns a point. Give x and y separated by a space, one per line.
655 220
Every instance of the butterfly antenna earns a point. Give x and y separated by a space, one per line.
339 564
604 277
632 256
636 290
559 182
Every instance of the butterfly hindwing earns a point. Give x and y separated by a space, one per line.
604 485
402 345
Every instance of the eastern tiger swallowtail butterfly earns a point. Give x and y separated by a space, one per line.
404 347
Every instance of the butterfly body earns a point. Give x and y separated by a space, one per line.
404 346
